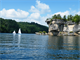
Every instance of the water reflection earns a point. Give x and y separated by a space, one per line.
39 47
64 47
19 39
66 42
14 40
79 42
71 43
55 42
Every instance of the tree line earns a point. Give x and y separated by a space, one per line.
75 18
9 25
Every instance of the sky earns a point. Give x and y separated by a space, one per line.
37 10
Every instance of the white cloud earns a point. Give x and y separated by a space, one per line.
33 9
33 20
44 7
63 13
75 12
70 12
34 16
70 9
78 13
20 15
13 14
37 10
40 8
41 5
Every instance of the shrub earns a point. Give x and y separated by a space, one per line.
44 32
40 31
71 31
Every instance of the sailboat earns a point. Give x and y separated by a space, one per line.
19 31
14 32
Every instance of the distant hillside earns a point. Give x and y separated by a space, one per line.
9 25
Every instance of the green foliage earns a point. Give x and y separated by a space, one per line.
76 18
66 25
54 17
60 32
71 31
44 31
31 27
64 18
40 31
8 26
58 16
69 17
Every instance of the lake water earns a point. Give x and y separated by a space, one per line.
39 47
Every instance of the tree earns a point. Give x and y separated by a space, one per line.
44 31
76 19
69 17
54 17
58 16
64 17
9 25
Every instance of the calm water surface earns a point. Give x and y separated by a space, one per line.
39 47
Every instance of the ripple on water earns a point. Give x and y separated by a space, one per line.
38 47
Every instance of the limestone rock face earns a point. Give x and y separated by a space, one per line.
57 25
50 33
55 28
70 27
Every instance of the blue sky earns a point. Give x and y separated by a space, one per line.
37 10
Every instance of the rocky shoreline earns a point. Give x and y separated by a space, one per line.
64 34
37 33
60 34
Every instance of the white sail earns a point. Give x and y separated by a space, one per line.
14 32
19 32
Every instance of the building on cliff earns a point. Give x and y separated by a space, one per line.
57 25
